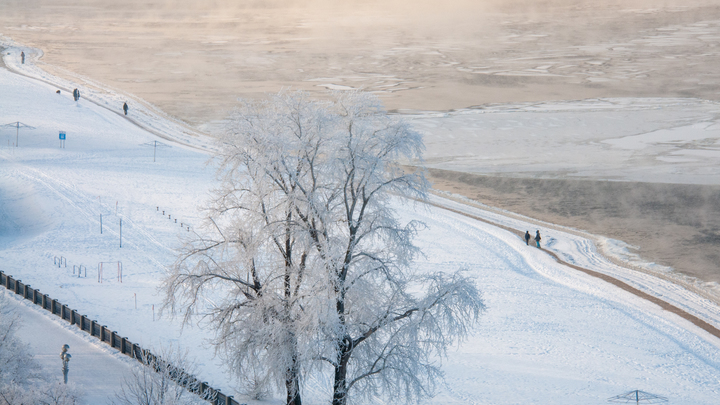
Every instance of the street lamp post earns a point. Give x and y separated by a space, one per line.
65 356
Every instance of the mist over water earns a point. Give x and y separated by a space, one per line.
193 59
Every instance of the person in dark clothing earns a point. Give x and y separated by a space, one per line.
527 238
125 107
76 94
537 238
22 57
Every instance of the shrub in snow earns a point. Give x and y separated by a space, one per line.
302 266
153 381
58 393
21 380
16 362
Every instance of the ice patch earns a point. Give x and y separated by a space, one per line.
331 86
624 252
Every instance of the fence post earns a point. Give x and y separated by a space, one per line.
17 286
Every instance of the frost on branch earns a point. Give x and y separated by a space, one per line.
154 381
302 266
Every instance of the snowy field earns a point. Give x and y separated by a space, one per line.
550 333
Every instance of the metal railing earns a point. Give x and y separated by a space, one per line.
112 338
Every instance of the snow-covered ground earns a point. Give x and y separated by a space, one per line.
105 367
550 334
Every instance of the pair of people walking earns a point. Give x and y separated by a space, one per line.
537 238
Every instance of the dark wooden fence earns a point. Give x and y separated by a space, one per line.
112 338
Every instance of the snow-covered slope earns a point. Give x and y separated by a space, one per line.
550 333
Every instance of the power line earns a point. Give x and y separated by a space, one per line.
17 125
155 145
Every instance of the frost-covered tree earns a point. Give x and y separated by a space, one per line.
21 379
303 266
16 362
17 367
382 322
245 273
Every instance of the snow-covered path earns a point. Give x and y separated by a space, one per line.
554 335
550 335
96 370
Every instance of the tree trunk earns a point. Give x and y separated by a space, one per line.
340 384
293 390
292 378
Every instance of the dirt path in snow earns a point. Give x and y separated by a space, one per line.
675 225
520 234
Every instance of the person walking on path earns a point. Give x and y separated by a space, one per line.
22 57
537 238
125 107
527 238
76 94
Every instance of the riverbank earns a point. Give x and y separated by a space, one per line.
674 225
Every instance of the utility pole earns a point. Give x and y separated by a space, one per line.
17 125
155 145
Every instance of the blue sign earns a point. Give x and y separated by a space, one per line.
62 136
